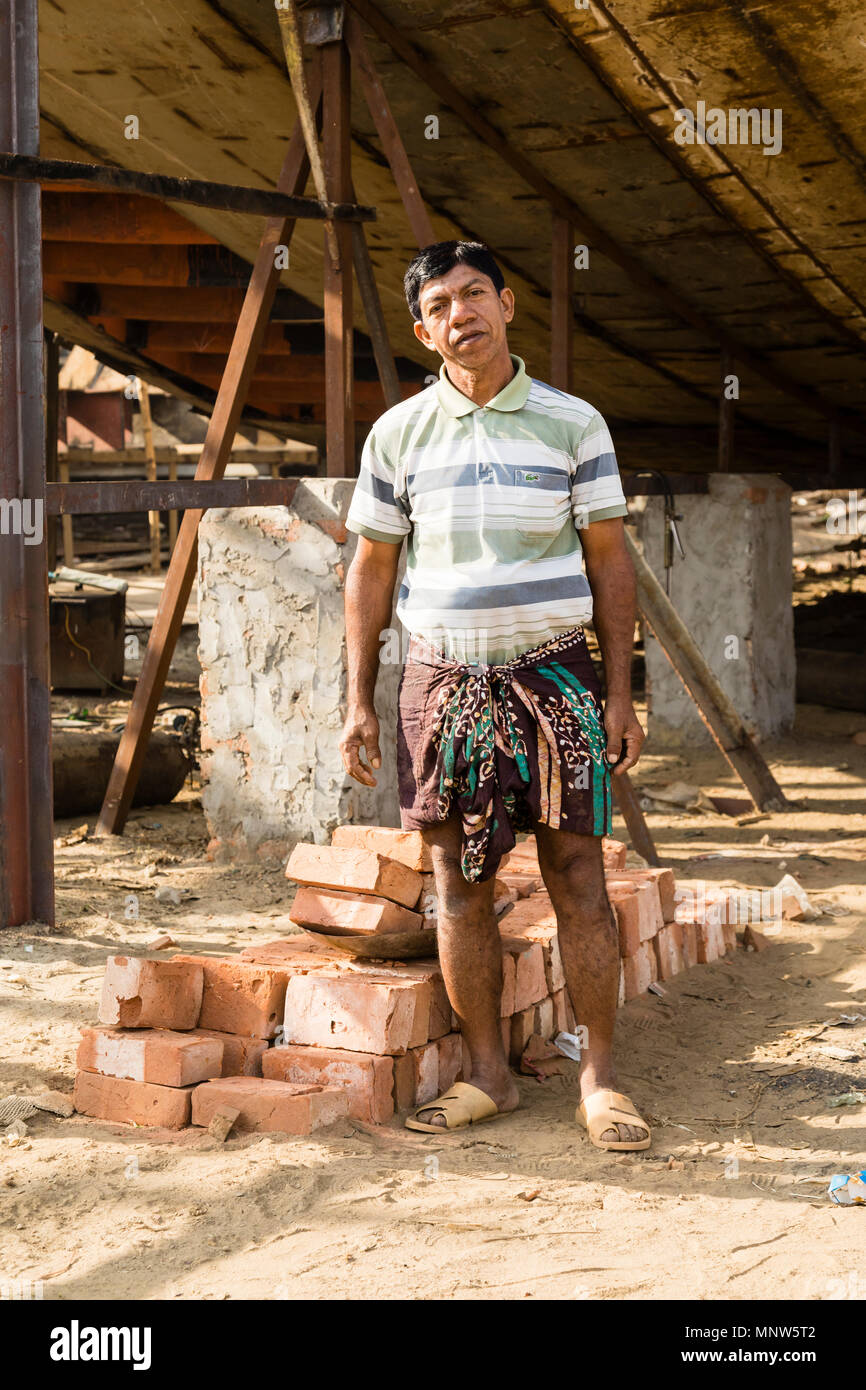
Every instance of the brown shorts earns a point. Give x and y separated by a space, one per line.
505 746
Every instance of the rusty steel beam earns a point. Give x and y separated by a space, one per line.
470 114
389 134
215 452
337 159
223 197
26 815
101 498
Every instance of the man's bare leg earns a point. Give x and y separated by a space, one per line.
470 954
573 871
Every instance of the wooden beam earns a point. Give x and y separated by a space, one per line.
117 217
389 134
223 197
107 499
150 457
214 456
635 821
336 143
714 706
213 338
290 34
93 262
208 304
376 326
561 320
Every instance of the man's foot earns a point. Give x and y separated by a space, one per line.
618 1133
502 1091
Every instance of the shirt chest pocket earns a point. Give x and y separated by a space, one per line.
542 501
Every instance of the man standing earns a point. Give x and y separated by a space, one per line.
507 490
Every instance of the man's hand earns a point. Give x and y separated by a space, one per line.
361 730
624 734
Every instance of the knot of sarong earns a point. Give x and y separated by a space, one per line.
485 760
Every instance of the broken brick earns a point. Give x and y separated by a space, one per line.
352 914
357 1011
132 1102
356 871
406 846
239 997
366 1078
269 1106
140 993
157 1055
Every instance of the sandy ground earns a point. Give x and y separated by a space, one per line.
729 1202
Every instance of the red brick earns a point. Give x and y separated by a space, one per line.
650 918
356 870
132 1102
626 905
240 997
563 1013
355 914
755 940
416 1076
150 993
543 1019
406 846
711 942
729 936
450 1060
522 1029
156 1055
530 984
509 977
614 853
270 1106
358 1012
523 859
664 882
366 1078
439 1022
689 938
640 970
535 919
298 954
668 945
241 1056
521 884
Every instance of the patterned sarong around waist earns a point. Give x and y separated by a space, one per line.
504 746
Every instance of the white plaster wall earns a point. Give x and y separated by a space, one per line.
735 583
273 655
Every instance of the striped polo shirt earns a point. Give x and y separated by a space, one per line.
492 499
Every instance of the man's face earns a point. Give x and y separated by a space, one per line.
463 318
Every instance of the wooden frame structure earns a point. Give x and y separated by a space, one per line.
322 97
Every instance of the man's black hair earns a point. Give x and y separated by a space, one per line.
436 260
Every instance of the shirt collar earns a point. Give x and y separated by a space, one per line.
513 395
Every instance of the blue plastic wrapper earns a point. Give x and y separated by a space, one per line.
848 1189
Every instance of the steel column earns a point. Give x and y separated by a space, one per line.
26 822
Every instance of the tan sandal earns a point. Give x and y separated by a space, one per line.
462 1105
605 1110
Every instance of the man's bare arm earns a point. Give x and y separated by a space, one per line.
611 578
369 598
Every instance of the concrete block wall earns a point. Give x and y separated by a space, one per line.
272 647
734 593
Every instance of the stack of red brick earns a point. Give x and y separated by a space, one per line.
296 1033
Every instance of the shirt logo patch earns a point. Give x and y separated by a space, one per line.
531 477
